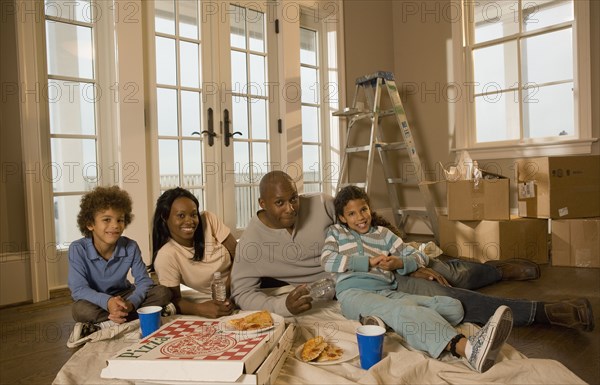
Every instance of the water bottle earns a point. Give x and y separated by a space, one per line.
218 287
477 174
323 289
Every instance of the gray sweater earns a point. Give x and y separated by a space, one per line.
292 258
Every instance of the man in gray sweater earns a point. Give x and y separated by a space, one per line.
282 241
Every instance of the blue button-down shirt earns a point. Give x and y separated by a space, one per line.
94 279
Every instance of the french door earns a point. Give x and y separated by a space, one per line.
214 104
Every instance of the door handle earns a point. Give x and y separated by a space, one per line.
210 132
226 123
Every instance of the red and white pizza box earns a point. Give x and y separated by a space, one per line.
266 373
196 349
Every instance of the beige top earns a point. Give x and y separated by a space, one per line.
174 265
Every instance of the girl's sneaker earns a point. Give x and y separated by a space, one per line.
483 347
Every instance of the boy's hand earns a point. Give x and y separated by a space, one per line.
118 309
391 263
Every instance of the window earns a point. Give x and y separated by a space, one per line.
526 77
72 108
320 92
311 111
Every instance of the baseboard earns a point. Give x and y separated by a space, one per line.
60 292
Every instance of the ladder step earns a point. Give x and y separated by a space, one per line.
415 213
358 149
391 146
350 112
374 76
402 182
385 113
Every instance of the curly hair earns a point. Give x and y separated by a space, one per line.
160 230
349 193
100 199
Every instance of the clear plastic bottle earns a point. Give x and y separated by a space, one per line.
323 289
218 287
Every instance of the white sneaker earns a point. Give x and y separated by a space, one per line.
80 331
483 347
105 324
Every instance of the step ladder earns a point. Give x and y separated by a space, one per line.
369 109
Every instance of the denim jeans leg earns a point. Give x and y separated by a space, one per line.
465 274
478 307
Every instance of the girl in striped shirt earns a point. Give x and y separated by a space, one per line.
365 256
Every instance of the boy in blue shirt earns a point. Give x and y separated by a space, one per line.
99 263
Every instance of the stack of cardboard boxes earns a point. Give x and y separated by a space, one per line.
557 195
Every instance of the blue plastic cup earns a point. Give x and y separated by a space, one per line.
370 344
149 319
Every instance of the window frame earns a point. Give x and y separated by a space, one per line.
460 90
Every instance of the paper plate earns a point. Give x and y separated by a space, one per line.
350 352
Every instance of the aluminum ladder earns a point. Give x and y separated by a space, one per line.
369 108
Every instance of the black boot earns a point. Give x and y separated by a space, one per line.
573 313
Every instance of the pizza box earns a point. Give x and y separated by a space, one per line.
196 349
266 374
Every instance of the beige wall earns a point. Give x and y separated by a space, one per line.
12 220
14 262
421 34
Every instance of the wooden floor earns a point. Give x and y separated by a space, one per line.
33 337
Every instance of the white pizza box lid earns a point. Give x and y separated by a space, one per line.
195 349
266 374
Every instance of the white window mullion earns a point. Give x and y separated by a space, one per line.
582 69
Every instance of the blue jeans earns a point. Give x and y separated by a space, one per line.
463 276
426 323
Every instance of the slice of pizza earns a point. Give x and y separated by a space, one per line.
313 348
331 353
253 321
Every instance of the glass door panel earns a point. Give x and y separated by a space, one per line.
247 142
179 52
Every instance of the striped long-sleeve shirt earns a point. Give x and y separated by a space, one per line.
347 253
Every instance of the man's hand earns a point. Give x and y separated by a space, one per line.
118 309
430 275
299 300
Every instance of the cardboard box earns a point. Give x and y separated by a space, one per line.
576 242
488 200
198 350
559 187
492 240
